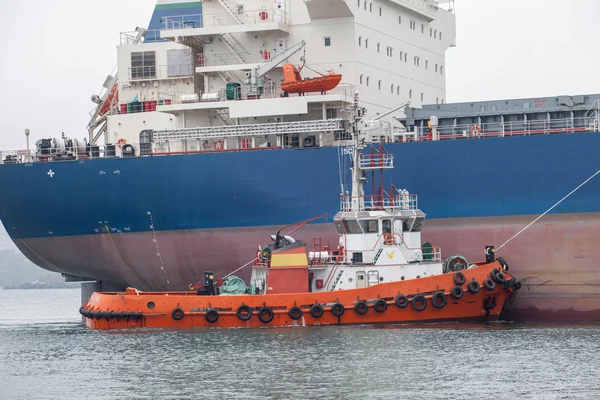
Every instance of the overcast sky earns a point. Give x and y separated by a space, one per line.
56 54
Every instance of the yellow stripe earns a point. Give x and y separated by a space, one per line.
288 260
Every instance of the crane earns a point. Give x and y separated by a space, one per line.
253 76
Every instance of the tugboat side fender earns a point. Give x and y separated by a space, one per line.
265 315
212 315
380 305
419 302
177 314
316 311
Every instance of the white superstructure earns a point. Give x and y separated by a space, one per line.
391 51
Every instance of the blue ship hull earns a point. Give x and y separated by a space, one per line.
158 222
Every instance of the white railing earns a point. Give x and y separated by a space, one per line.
67 154
400 202
223 19
592 116
269 91
149 36
498 129
223 59
427 7
376 161
161 72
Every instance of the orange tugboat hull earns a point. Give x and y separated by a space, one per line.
421 300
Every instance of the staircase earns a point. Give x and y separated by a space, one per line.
223 115
235 47
236 10
337 280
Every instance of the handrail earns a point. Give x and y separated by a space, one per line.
191 21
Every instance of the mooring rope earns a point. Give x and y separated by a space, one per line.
243 266
548 210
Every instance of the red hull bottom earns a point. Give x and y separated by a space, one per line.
556 259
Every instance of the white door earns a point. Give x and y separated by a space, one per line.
373 277
361 280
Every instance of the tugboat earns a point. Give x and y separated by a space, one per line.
379 272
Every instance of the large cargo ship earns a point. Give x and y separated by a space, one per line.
204 154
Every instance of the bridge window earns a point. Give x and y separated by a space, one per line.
143 64
352 227
380 11
360 41
370 226
327 41
360 79
421 97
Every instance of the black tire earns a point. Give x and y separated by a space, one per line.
316 311
244 312
265 315
489 284
211 316
503 263
295 313
337 309
438 300
419 302
361 307
459 278
457 292
401 301
473 287
380 305
498 277
177 314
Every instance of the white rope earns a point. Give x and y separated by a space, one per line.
243 266
548 210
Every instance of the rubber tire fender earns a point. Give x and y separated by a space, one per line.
269 312
177 314
489 284
361 307
337 309
401 301
457 292
474 286
244 312
503 263
211 315
316 311
459 278
295 313
498 277
419 299
380 305
436 296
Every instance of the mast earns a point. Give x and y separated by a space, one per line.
357 199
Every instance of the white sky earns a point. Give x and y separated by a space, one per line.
56 54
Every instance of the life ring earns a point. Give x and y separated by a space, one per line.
295 313
489 284
244 312
401 301
438 300
473 286
380 305
419 302
337 309
218 145
265 315
316 311
361 307
121 142
457 292
177 314
212 315
388 238
459 278
475 130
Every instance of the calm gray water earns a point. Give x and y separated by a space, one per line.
45 353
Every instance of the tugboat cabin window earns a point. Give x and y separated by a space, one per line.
386 226
370 226
414 224
352 227
143 64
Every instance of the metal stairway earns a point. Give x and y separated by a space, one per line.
278 128
223 115
236 10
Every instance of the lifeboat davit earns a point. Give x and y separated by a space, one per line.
293 82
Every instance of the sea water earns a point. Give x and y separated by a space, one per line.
46 353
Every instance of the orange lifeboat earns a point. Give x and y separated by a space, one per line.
112 98
293 82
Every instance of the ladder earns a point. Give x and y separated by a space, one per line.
278 128
236 10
